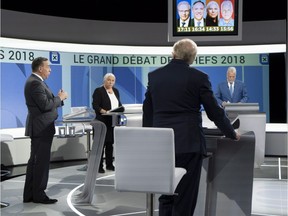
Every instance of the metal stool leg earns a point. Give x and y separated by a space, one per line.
88 132
4 173
150 204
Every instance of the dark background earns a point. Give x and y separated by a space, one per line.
156 11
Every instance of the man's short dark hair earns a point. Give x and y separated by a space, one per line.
198 2
37 62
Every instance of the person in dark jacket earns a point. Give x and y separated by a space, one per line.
213 11
106 98
42 112
173 99
231 90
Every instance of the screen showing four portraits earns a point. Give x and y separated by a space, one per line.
205 20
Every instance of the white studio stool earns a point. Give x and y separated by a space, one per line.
5 138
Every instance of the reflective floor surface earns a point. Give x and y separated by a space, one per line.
66 181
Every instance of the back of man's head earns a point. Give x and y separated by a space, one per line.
185 49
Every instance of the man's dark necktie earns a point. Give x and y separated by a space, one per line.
48 88
46 84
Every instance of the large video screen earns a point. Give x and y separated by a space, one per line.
80 73
205 20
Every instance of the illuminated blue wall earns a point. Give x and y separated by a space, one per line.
79 75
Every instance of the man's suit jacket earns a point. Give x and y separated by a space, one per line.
239 94
173 99
179 24
42 107
192 22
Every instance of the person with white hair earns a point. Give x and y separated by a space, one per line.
227 14
231 90
174 96
184 12
212 17
105 98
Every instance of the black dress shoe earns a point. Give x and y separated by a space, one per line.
101 170
111 167
47 200
27 200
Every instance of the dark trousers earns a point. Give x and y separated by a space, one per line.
37 171
108 146
183 203
108 149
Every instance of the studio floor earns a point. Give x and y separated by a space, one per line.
66 181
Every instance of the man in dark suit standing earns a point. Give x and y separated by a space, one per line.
173 99
231 90
40 127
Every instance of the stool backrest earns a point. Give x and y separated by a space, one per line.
145 160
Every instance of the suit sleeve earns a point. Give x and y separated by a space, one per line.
97 100
44 100
244 98
218 95
147 118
